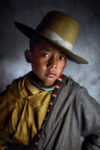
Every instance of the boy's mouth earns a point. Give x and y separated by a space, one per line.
51 75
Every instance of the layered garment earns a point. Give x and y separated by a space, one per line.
65 115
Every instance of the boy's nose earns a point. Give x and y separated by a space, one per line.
53 63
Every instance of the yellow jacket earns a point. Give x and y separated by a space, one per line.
22 110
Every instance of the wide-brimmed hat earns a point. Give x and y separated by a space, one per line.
58 28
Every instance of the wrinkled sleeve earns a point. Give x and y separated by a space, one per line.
7 103
90 121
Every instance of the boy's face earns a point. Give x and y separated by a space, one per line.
48 63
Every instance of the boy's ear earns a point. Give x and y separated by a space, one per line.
28 56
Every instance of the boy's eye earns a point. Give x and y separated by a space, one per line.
44 55
62 58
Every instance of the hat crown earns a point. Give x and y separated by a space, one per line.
62 24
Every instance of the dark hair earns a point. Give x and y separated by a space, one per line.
36 39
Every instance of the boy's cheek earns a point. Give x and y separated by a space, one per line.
39 68
61 67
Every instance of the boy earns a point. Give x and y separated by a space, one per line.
46 110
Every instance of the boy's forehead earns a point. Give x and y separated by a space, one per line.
47 46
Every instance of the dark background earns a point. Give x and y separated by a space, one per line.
30 12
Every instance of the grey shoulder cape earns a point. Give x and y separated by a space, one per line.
74 114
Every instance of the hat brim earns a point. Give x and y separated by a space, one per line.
29 32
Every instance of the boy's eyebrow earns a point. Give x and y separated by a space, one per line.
46 49
50 49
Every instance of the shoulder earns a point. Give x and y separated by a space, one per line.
14 87
74 87
79 95
69 82
13 92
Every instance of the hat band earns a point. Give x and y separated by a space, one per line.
55 37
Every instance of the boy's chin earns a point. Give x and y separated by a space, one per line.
48 83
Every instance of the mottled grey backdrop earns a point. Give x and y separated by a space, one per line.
30 12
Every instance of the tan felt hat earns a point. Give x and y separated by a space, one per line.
60 29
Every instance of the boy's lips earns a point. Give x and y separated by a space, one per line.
51 75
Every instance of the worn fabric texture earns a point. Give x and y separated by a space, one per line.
73 114
21 114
